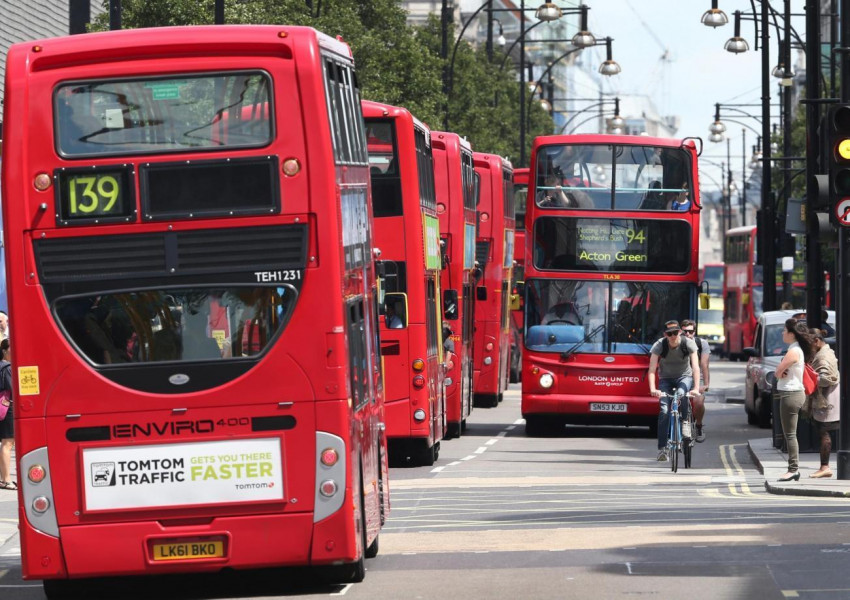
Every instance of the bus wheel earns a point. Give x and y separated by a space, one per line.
66 588
357 570
535 426
372 550
453 431
428 456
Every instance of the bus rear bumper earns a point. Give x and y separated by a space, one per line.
256 541
640 410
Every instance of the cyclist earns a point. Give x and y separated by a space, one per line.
689 329
677 356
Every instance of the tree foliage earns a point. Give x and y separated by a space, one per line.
396 64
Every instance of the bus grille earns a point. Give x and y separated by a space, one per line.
166 254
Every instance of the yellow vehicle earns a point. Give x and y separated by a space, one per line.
710 325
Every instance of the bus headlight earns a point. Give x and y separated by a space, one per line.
546 380
419 415
488 360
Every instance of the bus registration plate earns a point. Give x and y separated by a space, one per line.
189 550
607 407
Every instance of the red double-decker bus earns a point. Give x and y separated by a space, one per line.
407 233
494 252
743 290
196 377
612 255
454 177
520 197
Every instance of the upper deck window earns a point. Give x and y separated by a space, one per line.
604 177
171 114
384 168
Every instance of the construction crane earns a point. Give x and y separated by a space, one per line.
658 81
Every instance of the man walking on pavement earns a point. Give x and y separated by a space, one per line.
677 357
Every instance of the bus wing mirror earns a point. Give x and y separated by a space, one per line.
481 293
745 299
450 304
516 302
398 303
704 302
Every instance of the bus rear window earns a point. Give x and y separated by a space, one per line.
174 114
193 324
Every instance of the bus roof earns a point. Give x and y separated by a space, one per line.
741 229
462 141
164 42
489 158
370 107
601 138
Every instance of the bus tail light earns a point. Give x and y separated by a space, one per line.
291 167
419 382
41 505
42 181
36 473
418 365
329 457
488 346
330 475
419 415
328 488
37 492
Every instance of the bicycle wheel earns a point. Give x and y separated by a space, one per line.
688 445
675 441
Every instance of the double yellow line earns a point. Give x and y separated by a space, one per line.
734 469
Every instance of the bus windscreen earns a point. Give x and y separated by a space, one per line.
613 317
165 114
612 245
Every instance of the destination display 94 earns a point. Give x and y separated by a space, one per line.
612 245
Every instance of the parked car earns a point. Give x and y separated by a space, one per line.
765 355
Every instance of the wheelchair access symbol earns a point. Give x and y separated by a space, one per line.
842 213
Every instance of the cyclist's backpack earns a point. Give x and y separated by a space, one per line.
665 348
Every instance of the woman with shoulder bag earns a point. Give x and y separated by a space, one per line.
789 386
825 403
7 430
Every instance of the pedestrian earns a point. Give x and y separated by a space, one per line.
789 386
679 368
7 430
689 329
825 400
4 325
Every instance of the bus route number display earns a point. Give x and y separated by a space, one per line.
95 196
614 246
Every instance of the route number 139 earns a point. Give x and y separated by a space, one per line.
92 195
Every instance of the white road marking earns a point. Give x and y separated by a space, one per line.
470 457
343 590
491 442
481 450
437 469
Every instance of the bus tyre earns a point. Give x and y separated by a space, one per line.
428 456
372 550
535 426
66 588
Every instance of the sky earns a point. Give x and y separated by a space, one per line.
700 72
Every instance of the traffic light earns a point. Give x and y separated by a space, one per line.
836 138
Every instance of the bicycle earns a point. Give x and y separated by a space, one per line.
676 441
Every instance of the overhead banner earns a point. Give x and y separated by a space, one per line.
197 473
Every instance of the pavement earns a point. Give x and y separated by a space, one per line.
9 512
773 463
